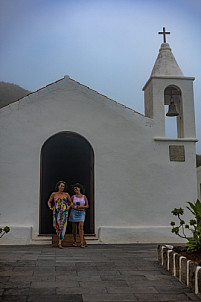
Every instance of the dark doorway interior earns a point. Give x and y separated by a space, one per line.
66 156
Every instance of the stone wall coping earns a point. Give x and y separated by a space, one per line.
187 271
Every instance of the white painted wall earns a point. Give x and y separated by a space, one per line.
136 186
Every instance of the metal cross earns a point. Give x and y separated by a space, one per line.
164 33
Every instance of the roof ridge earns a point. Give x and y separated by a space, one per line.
32 93
80 85
107 97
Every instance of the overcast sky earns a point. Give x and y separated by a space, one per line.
108 45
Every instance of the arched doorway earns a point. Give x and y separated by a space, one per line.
66 156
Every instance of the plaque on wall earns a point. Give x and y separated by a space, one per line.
176 153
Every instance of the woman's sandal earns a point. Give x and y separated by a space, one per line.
82 246
74 243
60 246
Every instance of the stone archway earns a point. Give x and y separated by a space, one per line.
66 156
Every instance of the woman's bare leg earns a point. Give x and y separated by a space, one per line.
81 232
60 245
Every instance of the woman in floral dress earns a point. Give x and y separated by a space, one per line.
62 203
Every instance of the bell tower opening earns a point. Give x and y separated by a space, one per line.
173 112
66 156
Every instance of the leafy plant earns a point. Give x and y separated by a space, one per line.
194 226
4 231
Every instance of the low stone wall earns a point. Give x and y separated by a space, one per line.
187 271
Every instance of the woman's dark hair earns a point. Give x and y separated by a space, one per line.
58 184
78 185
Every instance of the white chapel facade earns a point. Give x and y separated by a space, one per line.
133 174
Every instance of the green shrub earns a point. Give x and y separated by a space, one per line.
194 242
4 231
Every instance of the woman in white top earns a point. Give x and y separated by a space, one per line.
77 214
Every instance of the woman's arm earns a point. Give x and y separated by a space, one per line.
68 202
49 201
72 206
69 199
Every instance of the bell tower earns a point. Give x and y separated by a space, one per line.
167 86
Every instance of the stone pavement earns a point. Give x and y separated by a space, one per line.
97 273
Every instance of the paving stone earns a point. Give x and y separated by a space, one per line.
16 273
109 269
161 297
104 284
149 283
44 268
122 278
13 298
192 296
16 291
137 289
42 291
52 284
86 268
109 297
148 268
171 289
70 262
65 273
17 284
5 268
140 273
159 277
176 283
45 262
26 263
81 290
47 256
64 268
29 257
78 278
24 269
39 278
44 273
56 298
125 267
4 279
98 273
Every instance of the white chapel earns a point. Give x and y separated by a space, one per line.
134 175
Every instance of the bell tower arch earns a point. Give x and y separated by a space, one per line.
173 110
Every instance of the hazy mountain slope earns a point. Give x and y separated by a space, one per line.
10 93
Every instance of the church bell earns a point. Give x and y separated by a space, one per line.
172 111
